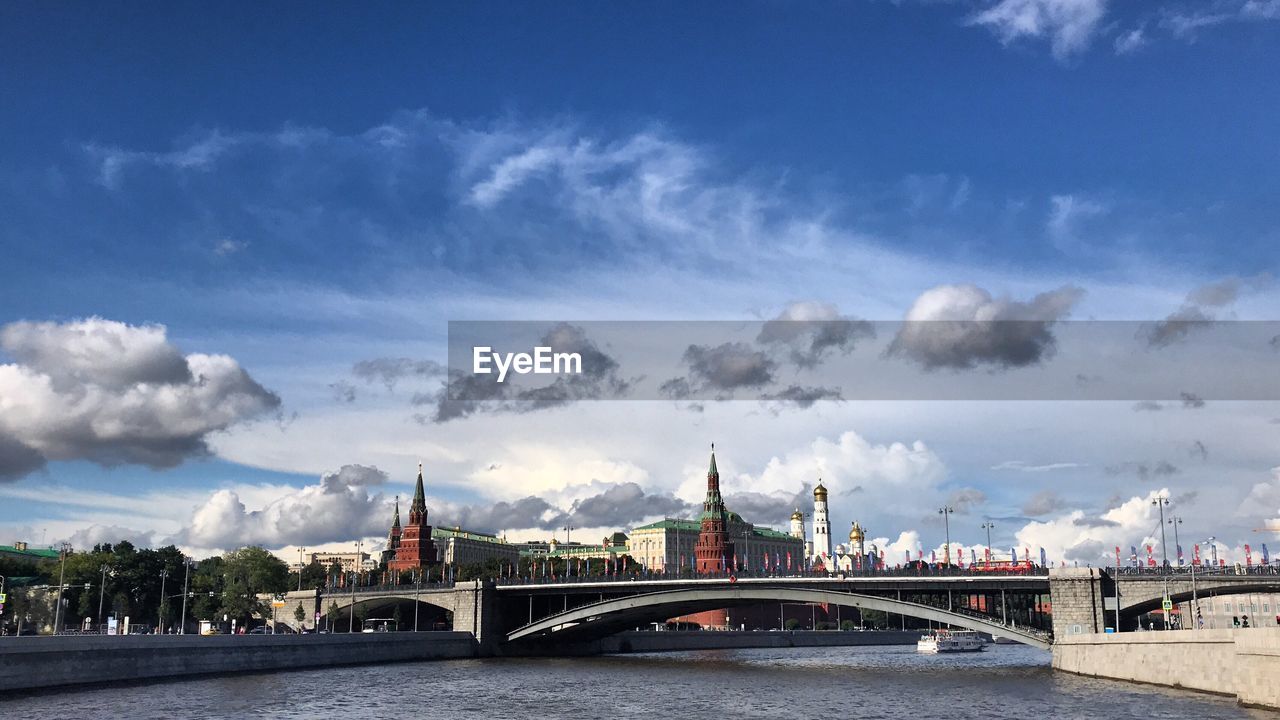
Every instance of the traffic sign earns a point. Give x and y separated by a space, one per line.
3 598
277 603
1167 604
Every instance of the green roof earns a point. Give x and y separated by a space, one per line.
34 553
446 533
694 526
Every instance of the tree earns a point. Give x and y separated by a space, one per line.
314 576
300 615
791 624
848 625
246 573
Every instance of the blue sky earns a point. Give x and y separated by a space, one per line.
304 188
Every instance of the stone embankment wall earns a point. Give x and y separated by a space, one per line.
1242 663
36 662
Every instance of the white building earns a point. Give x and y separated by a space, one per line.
821 552
463 547
661 545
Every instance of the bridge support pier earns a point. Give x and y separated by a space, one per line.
1078 600
475 610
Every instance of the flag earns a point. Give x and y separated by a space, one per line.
973 557
986 555
1195 555
1014 555
1133 555
1151 560
1117 557
788 560
1179 555
1248 556
1043 561
1266 558
933 557
908 557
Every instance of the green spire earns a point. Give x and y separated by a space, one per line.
419 495
395 522
712 470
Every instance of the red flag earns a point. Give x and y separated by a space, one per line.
1195 558
1248 556
1117 556
788 561
1151 561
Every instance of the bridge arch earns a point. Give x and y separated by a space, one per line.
1182 593
609 616
374 605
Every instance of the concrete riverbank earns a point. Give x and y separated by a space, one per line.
643 642
41 662
1241 663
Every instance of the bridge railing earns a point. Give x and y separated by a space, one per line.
1186 571
895 572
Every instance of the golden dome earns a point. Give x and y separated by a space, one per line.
797 515
855 533
820 492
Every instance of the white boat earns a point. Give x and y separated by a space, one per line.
950 641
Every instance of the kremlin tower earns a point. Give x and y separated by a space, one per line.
415 548
821 529
393 536
713 552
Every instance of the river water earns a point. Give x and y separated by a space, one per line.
855 683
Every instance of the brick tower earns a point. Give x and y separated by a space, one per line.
393 536
416 548
714 552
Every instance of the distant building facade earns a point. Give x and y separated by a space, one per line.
463 547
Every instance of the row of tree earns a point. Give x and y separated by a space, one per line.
147 585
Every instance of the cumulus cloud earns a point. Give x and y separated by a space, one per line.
96 534
961 327
622 504
1200 310
339 507
729 366
1077 536
1069 25
1147 406
112 393
812 330
773 508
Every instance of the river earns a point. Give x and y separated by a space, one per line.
855 683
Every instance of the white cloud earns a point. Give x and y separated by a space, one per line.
112 393
1068 24
1131 42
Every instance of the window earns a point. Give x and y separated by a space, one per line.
1226 606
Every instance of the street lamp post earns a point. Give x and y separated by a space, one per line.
102 589
1175 521
64 549
351 615
988 525
300 566
945 511
164 575
1160 502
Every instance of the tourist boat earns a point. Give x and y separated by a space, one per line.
950 641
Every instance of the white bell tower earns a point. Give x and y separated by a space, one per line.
821 529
